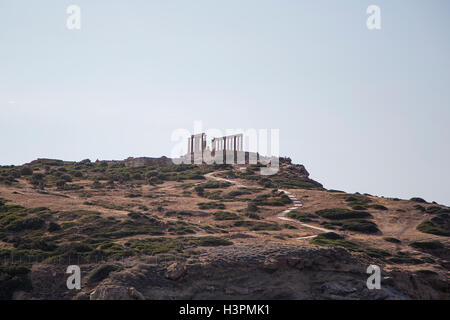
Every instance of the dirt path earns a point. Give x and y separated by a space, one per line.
281 215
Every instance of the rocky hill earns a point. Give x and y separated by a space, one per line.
146 229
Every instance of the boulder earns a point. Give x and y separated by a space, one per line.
175 271
115 292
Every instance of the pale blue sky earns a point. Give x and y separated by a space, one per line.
364 110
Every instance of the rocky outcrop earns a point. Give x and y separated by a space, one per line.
175 271
144 161
114 292
265 272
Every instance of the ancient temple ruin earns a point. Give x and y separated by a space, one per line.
223 150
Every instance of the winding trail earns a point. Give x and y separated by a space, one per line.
281 215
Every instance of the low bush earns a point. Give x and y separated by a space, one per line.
178 213
236 193
303 217
428 227
331 239
53 227
357 199
252 207
211 205
392 240
274 199
417 199
341 213
378 207
26 171
427 245
215 184
362 226
134 194
377 253
32 223
225 215
439 225
252 215
404 258
212 242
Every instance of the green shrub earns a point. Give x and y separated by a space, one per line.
78 174
211 205
417 199
154 246
275 199
26 171
97 184
427 245
427 227
428 260
341 213
357 199
433 209
252 207
37 179
330 236
199 190
378 207
236 193
178 213
359 207
376 253
212 242
225 215
32 223
404 258
52 227
136 215
303 217
362 226
252 215
134 194
60 184
439 225
180 228
392 240
215 184
331 239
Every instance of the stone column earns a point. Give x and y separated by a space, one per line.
192 149
224 141
234 149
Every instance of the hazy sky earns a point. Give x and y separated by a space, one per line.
363 110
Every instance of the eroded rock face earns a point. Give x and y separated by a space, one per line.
246 272
175 271
115 292
264 272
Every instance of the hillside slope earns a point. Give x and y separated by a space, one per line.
183 231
